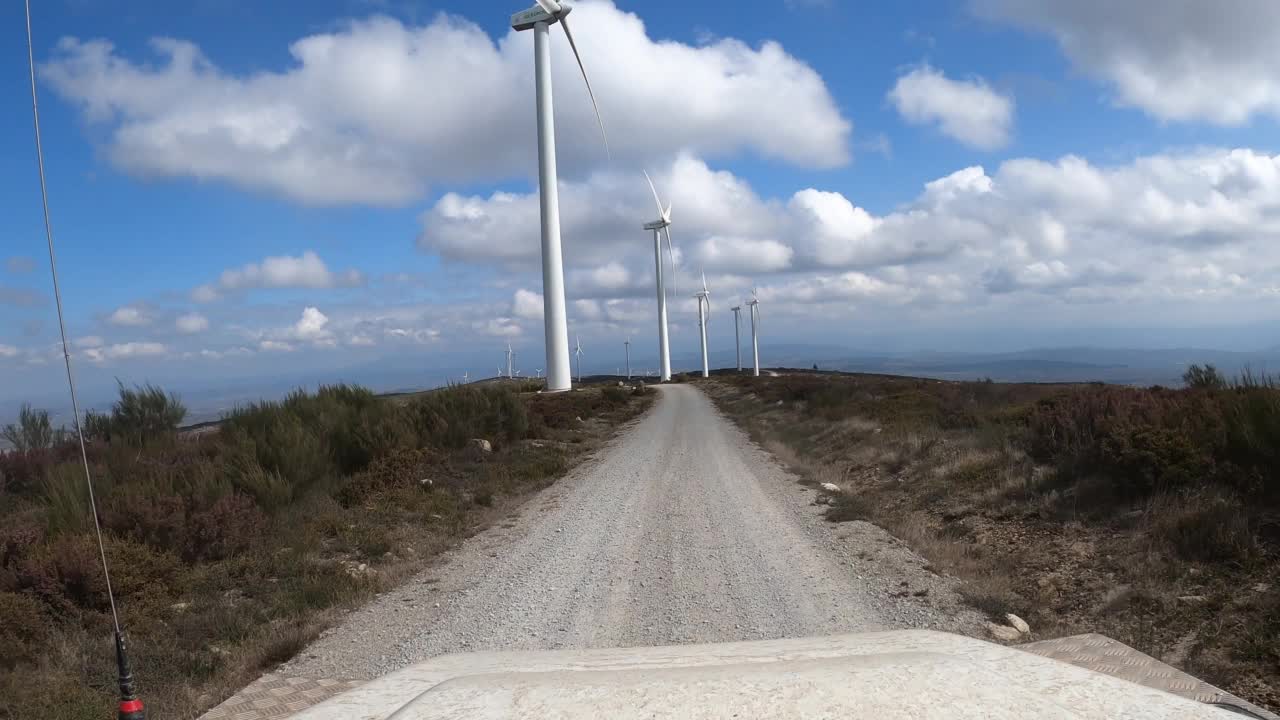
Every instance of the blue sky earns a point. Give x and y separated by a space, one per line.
244 190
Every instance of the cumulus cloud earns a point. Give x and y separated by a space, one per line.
1181 60
350 120
966 110
129 316
8 351
303 271
191 323
311 327
527 305
1065 228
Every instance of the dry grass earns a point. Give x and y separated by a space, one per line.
1045 507
234 549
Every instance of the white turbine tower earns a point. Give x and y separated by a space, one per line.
704 311
466 376
577 351
659 227
627 345
510 354
737 341
540 19
755 341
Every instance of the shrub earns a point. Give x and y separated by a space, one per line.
449 418
23 626
231 525
33 430
1204 377
66 573
403 468
142 413
1205 526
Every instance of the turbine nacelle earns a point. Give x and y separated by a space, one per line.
548 12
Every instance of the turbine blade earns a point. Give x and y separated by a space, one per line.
564 23
551 6
656 201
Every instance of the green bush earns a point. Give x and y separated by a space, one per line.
449 418
141 414
33 431
1204 377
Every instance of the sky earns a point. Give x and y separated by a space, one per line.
298 190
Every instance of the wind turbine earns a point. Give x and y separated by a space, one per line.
660 226
627 344
704 311
737 342
510 353
755 341
540 18
578 352
466 377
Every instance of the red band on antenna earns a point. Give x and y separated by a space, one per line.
130 706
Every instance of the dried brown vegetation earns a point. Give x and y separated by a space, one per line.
1149 515
231 550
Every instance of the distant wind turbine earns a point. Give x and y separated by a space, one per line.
627 344
510 354
540 19
737 341
659 227
755 340
704 311
578 352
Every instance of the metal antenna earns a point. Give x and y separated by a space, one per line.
130 705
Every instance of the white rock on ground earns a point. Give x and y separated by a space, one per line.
831 487
481 445
1018 623
1003 632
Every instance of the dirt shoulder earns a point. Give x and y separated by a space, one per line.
945 468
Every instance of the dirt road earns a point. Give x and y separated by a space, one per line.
680 531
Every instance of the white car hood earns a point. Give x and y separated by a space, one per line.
888 675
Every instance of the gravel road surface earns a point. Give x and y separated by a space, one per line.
681 530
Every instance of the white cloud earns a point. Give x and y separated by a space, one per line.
1065 229
88 341
311 326
527 305
743 254
1176 60
304 271
192 323
126 351
8 351
499 327
274 346
351 121
587 310
965 110
129 316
